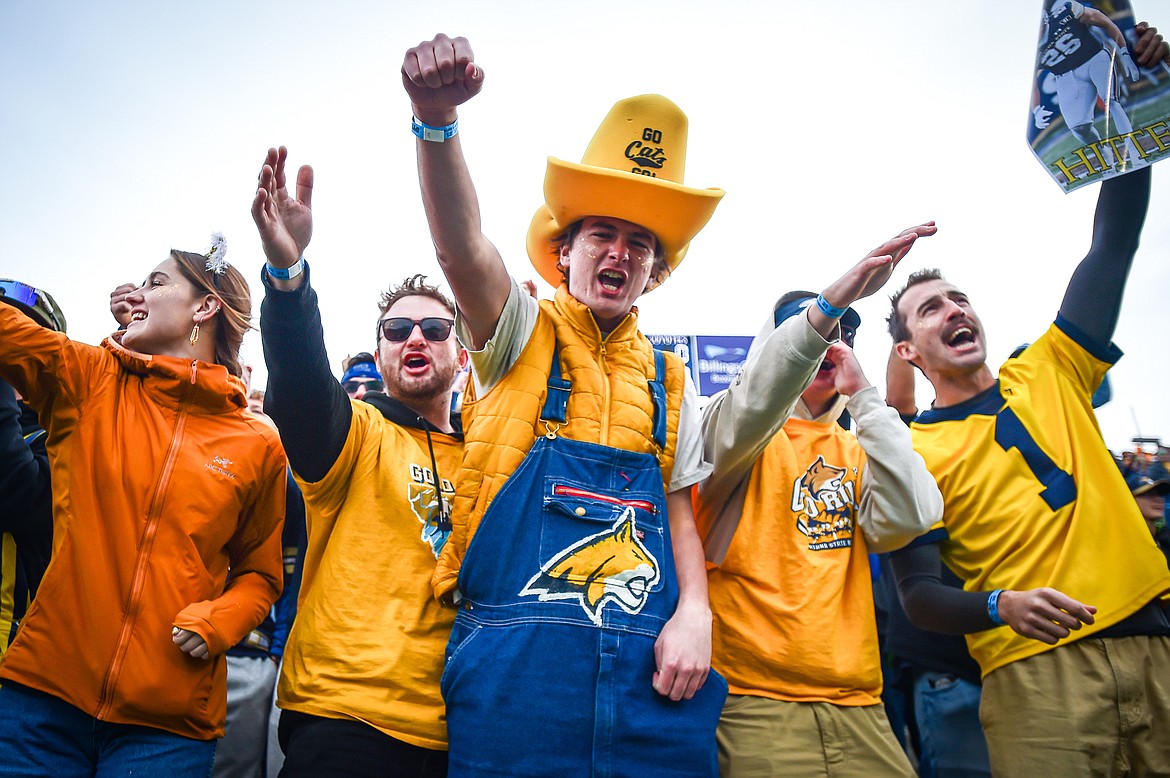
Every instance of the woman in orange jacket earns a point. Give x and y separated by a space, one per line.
162 482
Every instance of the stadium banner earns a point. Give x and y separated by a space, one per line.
719 360
1095 113
713 360
682 345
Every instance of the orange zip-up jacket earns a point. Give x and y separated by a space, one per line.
161 481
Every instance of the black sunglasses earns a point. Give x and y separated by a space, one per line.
398 328
373 385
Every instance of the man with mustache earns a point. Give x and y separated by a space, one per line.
1063 585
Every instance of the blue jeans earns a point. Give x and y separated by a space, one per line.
952 744
41 735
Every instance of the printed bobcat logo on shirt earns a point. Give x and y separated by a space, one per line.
824 499
611 566
424 503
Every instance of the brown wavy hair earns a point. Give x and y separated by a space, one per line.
235 299
414 286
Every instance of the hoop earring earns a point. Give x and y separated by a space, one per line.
195 334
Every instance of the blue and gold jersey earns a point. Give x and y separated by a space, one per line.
1066 42
1032 496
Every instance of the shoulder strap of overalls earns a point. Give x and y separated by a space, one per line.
658 395
556 404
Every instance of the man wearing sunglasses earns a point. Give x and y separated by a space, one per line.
793 508
361 375
359 688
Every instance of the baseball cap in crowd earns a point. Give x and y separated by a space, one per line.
37 304
362 373
1140 484
795 302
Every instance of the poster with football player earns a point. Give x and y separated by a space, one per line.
1097 111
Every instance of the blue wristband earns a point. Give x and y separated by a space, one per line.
434 134
829 309
286 273
993 607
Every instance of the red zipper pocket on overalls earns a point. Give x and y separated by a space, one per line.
572 491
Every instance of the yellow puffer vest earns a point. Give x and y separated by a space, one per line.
609 404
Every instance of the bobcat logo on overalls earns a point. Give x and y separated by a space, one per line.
825 504
611 566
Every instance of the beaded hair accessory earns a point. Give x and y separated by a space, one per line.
217 256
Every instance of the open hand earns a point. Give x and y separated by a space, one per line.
285 224
871 273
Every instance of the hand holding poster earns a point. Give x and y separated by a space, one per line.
1101 98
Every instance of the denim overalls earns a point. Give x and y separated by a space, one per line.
566 585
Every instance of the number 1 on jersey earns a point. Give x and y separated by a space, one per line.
1060 488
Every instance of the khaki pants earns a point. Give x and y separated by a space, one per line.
1096 707
760 737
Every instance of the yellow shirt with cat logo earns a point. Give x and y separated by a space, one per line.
369 637
792 599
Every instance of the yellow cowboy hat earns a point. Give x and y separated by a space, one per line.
632 170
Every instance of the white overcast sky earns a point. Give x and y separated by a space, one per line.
130 128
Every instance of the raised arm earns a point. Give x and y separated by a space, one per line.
43 365
285 224
900 386
439 75
1093 298
867 276
739 422
307 403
